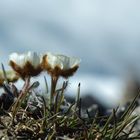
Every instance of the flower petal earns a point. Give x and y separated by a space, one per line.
60 65
28 64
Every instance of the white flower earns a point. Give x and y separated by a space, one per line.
27 64
10 75
61 65
22 59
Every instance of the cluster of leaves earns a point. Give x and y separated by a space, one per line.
36 119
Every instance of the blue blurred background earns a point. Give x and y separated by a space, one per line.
104 34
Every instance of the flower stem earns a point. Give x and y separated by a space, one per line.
54 80
21 96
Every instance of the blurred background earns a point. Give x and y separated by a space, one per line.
104 34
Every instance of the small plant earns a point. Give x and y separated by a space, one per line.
30 114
